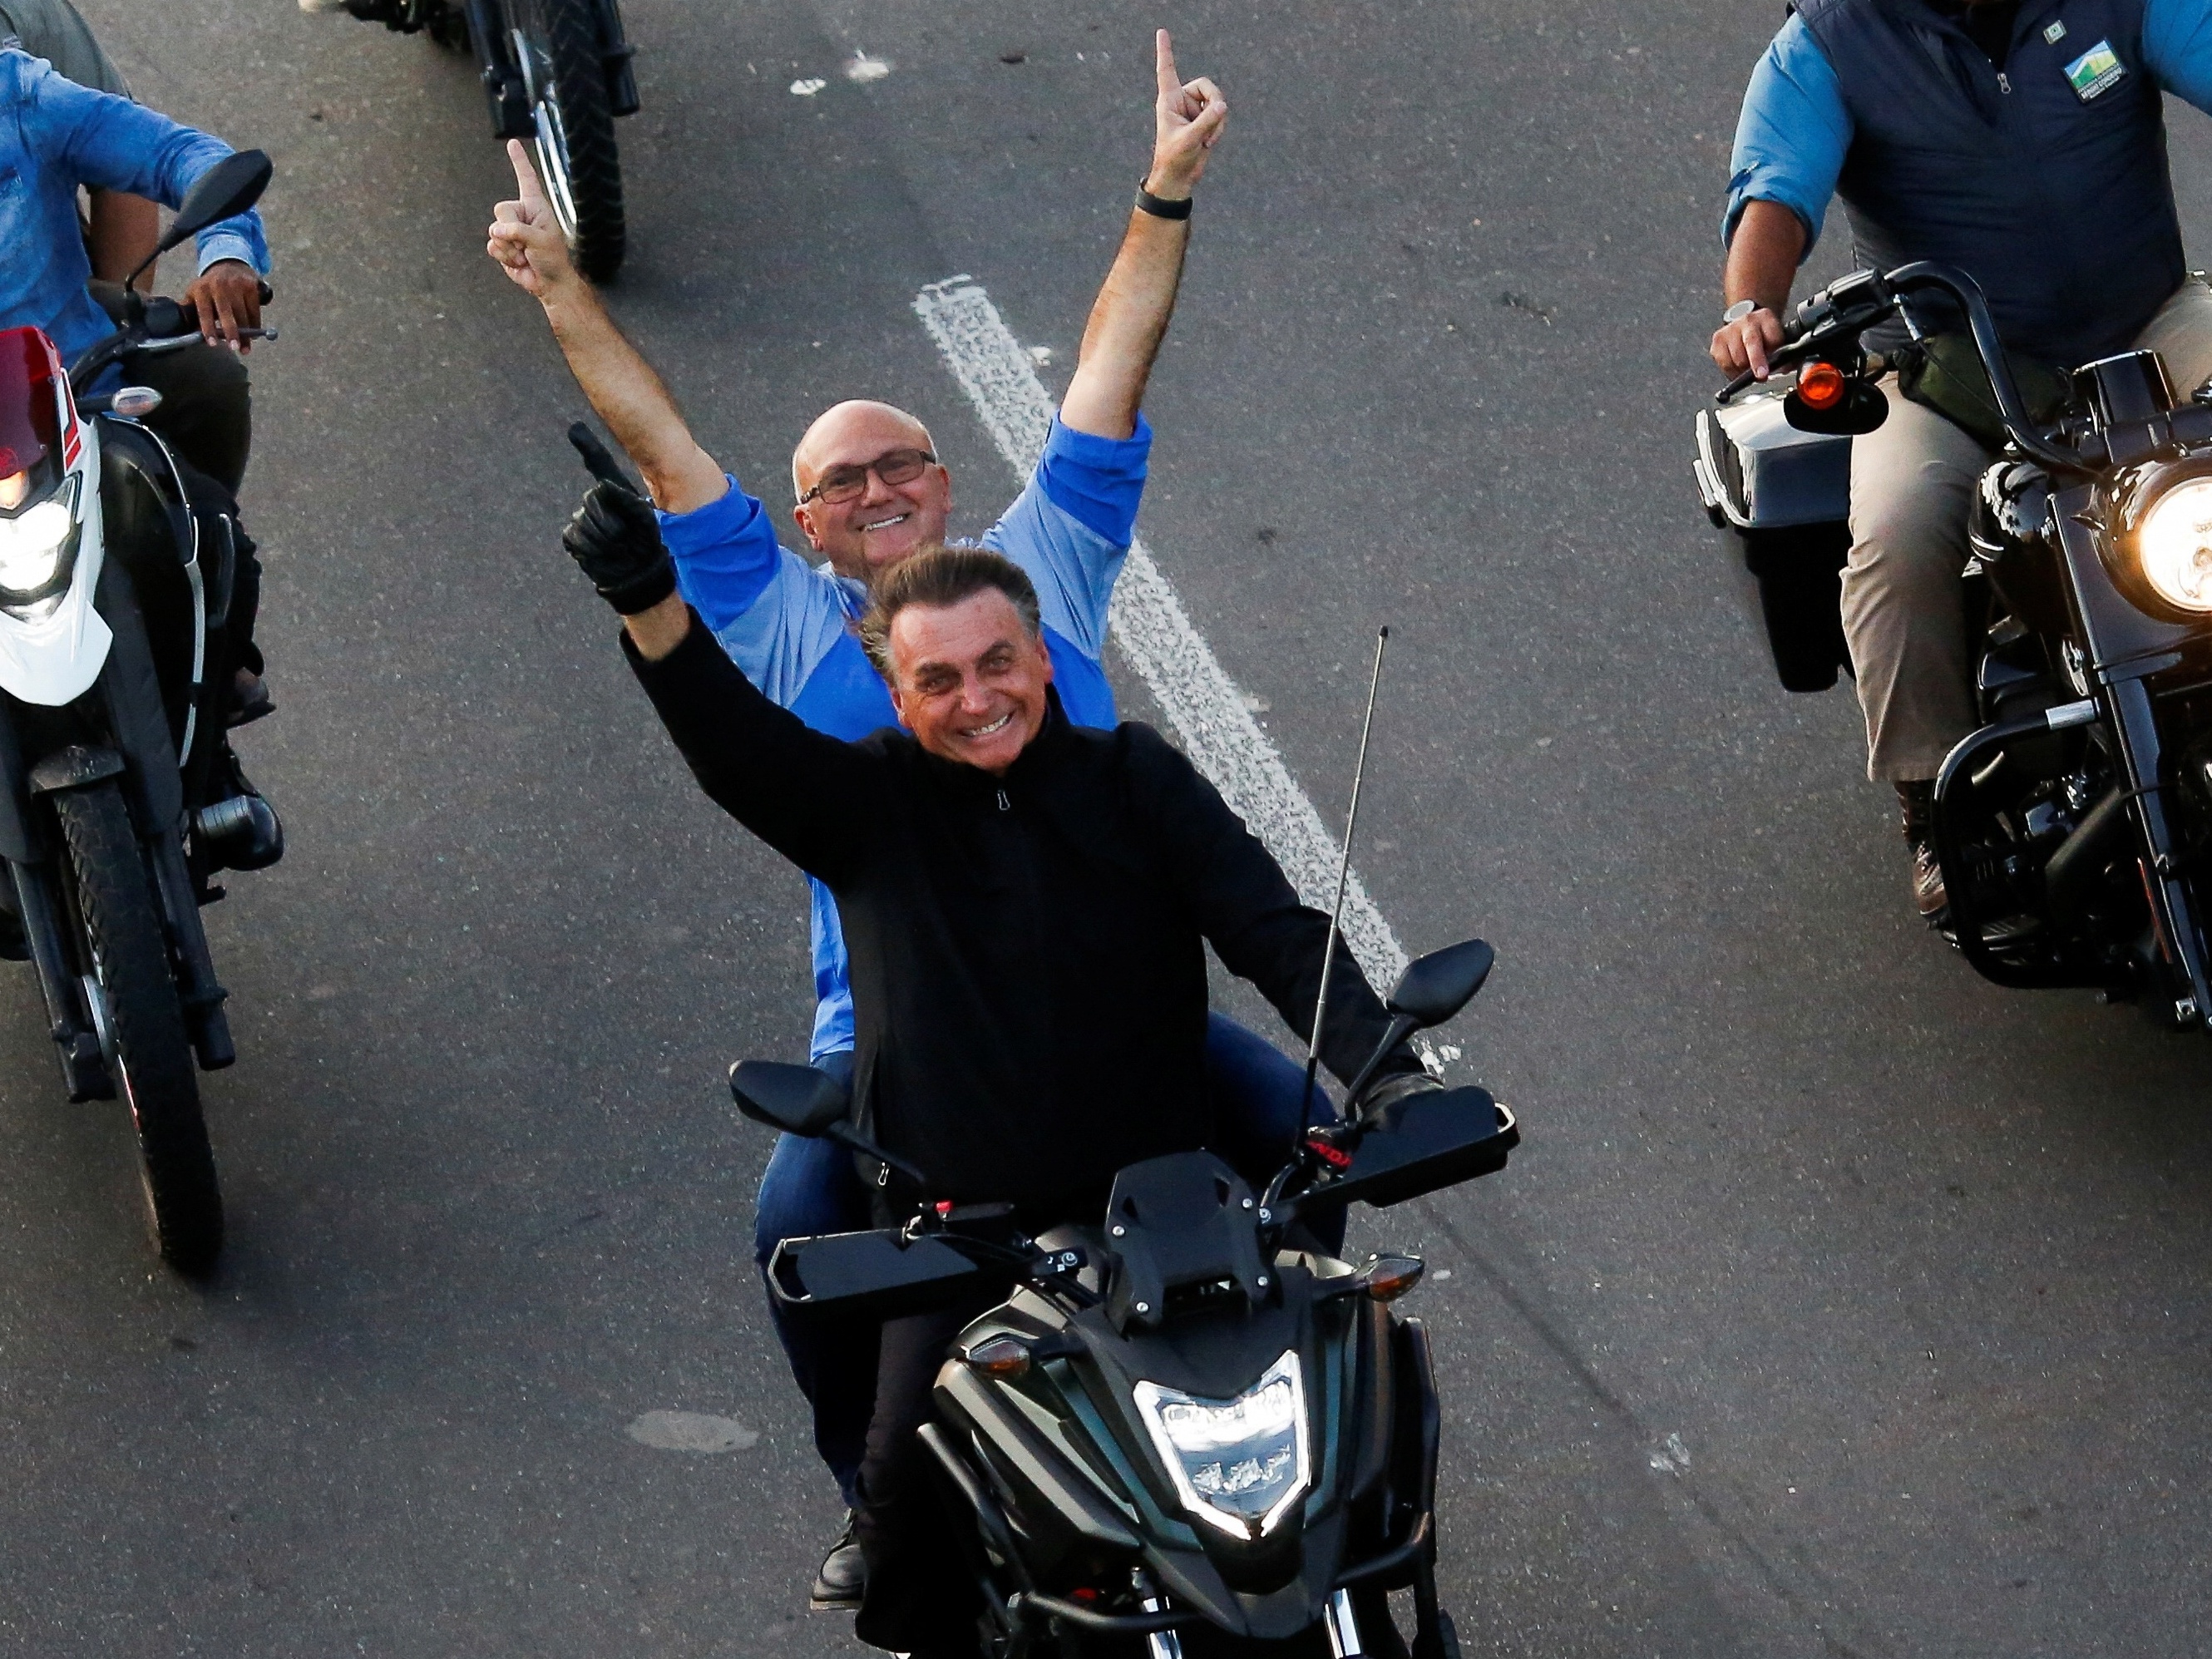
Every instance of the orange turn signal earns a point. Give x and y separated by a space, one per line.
1389 1277
1000 1356
1820 386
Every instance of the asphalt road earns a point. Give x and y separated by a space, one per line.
1838 1304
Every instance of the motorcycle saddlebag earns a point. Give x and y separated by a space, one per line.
1787 496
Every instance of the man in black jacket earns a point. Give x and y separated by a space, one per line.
1027 905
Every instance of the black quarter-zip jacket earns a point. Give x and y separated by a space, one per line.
1028 952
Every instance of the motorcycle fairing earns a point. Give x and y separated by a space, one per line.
1073 1417
55 658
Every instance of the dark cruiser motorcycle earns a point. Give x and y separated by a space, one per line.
557 75
119 798
2075 827
1187 1431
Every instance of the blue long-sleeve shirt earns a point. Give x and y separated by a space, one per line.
1795 131
55 136
788 624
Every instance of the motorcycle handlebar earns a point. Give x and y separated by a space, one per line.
1820 325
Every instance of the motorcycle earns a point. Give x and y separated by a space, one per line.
119 795
1186 1430
557 75
2074 827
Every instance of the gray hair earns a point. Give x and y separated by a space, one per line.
938 578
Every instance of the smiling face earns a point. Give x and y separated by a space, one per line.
885 523
969 679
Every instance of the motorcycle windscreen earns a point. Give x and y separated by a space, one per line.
1425 1142
877 1275
31 459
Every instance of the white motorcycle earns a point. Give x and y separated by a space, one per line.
119 795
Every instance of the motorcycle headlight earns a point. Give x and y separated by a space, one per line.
1237 1464
2174 545
38 547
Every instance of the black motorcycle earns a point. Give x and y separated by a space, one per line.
2075 827
1186 1431
558 75
119 797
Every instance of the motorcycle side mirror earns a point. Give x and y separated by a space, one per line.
797 1099
802 1101
1435 987
223 192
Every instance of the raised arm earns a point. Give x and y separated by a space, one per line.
526 240
810 797
1130 316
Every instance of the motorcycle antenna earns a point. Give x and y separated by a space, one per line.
1343 881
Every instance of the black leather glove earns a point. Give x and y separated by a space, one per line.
614 537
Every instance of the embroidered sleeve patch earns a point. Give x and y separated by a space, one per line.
2095 70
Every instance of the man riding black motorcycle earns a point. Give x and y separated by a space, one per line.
59 136
2024 142
1027 904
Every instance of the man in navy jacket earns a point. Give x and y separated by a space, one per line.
2023 141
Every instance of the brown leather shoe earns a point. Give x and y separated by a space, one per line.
1916 804
1927 884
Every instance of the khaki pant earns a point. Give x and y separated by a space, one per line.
1913 487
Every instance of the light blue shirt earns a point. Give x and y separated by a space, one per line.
55 136
1795 131
788 624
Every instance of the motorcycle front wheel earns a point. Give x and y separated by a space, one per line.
556 43
125 960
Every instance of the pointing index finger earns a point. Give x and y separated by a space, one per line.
525 176
1170 82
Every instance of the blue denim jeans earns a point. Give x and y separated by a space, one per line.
811 1187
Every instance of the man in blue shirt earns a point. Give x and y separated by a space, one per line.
56 136
869 492
2025 141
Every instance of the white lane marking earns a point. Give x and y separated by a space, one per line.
1212 718
691 1431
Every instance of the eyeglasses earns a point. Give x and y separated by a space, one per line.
845 483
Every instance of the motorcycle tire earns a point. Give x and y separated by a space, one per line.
125 960
557 44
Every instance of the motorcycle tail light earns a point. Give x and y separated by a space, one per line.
1821 386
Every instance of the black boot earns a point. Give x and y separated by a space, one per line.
1916 804
843 1576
